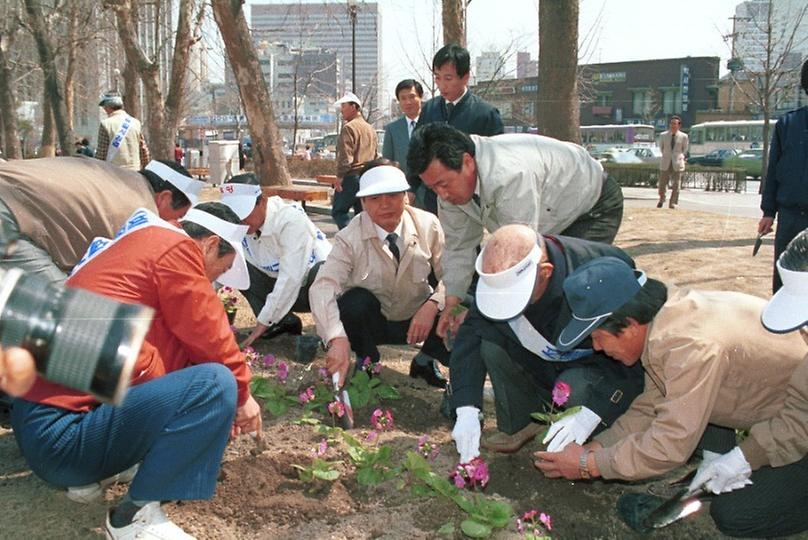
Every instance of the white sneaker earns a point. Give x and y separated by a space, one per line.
150 523
93 492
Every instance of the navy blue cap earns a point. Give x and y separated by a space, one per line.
594 291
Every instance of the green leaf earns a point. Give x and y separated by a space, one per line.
473 529
329 475
447 529
369 476
388 392
277 408
420 490
498 513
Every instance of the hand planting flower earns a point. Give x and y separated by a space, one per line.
283 372
427 449
382 420
532 528
336 408
561 393
306 396
472 475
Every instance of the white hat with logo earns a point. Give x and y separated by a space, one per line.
237 276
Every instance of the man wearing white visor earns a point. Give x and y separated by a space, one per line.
380 283
190 388
509 334
706 357
284 251
56 206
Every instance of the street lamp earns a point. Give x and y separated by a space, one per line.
352 8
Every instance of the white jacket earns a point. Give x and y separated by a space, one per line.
289 244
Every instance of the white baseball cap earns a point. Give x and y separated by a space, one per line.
504 295
382 179
190 187
788 308
241 198
349 97
237 276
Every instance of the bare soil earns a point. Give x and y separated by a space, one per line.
260 496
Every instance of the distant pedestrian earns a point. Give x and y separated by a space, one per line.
398 132
83 148
673 144
357 144
179 153
120 138
785 191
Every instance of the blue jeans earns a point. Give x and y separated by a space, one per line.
345 200
175 426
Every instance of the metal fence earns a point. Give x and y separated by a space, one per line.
695 177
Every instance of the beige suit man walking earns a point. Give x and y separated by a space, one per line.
673 144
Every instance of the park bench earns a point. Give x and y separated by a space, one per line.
329 179
300 193
199 172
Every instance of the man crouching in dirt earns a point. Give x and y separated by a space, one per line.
508 333
191 384
707 360
376 284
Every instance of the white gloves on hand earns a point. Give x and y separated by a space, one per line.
725 473
466 433
573 428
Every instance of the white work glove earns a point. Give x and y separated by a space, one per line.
466 433
725 473
572 428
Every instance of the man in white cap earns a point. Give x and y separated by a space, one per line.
190 388
56 206
707 361
357 144
284 251
768 471
380 283
509 334
120 136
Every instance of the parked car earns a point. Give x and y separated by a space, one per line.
648 154
749 160
715 158
619 155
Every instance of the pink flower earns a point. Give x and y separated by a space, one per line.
336 408
474 474
377 368
520 527
322 448
372 437
323 374
365 363
382 420
307 395
283 372
458 481
530 515
561 393
546 520
428 450
480 473
269 359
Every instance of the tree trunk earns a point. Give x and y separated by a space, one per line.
179 72
8 106
47 60
454 23
47 147
131 90
270 163
73 46
558 109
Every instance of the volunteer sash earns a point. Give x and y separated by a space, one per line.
532 340
117 140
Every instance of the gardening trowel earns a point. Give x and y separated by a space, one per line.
758 243
683 503
346 420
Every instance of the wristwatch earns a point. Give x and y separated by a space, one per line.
583 465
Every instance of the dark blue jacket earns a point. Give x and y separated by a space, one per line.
787 173
549 316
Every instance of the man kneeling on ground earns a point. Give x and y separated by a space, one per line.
191 384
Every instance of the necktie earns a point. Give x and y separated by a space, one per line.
412 127
391 243
476 199
449 109
673 140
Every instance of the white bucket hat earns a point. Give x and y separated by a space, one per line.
788 308
237 276
240 198
190 187
504 295
349 97
382 179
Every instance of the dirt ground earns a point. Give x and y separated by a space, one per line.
260 496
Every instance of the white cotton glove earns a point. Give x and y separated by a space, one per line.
572 428
725 473
466 433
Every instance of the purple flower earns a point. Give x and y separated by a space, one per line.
561 393
480 473
322 448
269 359
458 481
372 437
307 395
520 527
365 363
377 368
472 474
428 450
283 371
382 420
336 408
323 374
546 520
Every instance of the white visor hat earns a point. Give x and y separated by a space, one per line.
504 295
788 308
240 198
237 276
190 187
381 180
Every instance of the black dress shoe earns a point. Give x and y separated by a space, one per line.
291 324
659 204
430 373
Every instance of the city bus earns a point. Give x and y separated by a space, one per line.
726 134
597 139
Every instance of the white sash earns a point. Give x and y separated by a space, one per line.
140 219
117 140
532 340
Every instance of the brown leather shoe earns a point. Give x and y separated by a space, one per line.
508 444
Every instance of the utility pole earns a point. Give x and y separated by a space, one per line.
734 64
352 8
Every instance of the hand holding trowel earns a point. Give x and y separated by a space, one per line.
341 395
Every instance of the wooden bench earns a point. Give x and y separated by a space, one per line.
303 194
199 172
329 179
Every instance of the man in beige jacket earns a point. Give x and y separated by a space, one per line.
673 144
120 136
380 283
706 357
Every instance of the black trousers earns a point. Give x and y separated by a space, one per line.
366 327
774 505
345 200
602 222
261 285
790 223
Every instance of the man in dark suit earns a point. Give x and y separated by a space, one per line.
398 132
456 105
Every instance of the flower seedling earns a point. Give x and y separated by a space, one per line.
363 390
274 395
427 449
382 420
534 525
373 465
471 475
561 395
318 470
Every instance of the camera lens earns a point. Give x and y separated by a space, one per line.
78 338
